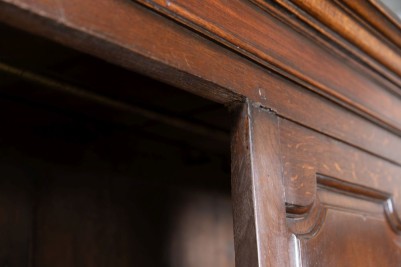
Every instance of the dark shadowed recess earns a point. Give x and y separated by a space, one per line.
101 166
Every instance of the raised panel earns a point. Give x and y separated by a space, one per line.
348 225
341 203
306 154
349 239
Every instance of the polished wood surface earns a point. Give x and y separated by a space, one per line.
260 230
178 55
315 93
246 33
314 201
192 57
343 20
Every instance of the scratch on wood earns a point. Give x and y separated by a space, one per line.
259 105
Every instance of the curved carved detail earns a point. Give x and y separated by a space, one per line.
369 28
306 224
376 14
253 44
392 216
306 221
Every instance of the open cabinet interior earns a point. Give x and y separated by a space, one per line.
104 167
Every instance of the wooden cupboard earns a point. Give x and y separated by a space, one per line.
313 89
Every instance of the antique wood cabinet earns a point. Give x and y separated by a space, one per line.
314 89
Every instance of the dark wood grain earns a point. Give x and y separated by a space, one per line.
257 190
340 202
349 216
374 13
315 89
342 22
330 38
242 32
349 233
305 154
345 197
180 54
